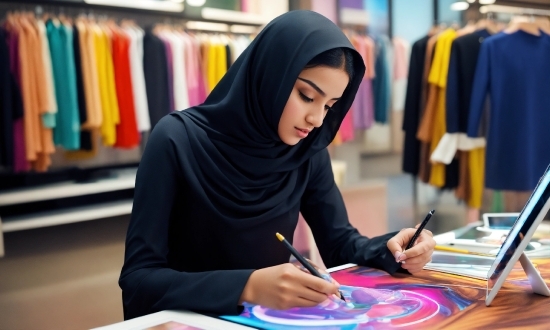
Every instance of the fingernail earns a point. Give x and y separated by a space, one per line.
397 254
402 257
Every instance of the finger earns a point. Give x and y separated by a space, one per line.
417 250
397 243
301 267
318 284
311 295
424 243
419 261
323 271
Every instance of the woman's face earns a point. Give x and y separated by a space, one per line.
314 93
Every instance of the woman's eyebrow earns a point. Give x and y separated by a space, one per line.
312 84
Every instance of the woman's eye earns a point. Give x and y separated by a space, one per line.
305 98
328 108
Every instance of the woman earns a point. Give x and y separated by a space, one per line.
217 181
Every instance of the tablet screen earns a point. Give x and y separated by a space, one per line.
531 215
501 222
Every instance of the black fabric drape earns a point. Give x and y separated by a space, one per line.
235 155
155 70
411 119
85 136
462 67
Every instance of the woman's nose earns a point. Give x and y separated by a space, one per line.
316 117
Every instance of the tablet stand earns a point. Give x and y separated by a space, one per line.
537 282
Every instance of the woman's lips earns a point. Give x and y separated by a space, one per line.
302 133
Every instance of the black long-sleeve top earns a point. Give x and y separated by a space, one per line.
411 120
179 256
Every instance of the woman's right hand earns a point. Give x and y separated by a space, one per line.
285 286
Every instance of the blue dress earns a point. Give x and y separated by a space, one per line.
514 69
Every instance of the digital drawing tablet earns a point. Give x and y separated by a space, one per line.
519 236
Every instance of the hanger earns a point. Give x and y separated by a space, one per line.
543 24
488 24
433 30
468 28
524 24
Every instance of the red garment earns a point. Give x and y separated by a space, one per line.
127 134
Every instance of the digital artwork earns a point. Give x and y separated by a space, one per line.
377 299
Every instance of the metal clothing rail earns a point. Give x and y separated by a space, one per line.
514 10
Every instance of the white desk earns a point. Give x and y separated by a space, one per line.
183 317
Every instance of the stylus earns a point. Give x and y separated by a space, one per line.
419 230
303 261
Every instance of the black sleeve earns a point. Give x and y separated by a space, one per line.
148 283
338 241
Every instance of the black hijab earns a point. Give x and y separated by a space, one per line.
234 158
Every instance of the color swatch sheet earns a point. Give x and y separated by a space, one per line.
461 264
379 301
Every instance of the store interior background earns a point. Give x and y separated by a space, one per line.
65 277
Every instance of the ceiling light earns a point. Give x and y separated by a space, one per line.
196 3
459 5
484 9
471 1
486 2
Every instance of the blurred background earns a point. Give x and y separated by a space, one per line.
444 119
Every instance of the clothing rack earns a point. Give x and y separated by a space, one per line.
514 10
233 21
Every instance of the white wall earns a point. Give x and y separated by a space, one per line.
270 9
411 19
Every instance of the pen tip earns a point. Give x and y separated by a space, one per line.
280 237
432 212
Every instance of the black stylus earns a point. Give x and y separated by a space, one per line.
419 230
303 261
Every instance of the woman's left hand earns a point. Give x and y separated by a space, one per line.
416 257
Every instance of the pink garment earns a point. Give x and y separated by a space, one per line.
245 8
363 105
301 237
201 89
191 70
327 8
370 57
346 129
304 244
20 163
399 59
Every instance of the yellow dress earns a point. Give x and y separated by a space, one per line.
438 77
109 102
